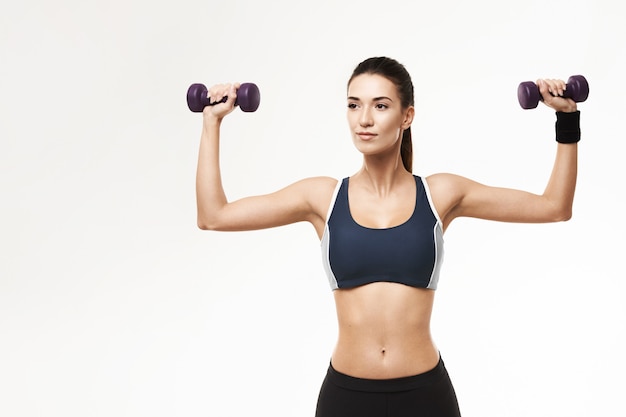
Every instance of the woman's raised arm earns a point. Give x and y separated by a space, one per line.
455 196
305 200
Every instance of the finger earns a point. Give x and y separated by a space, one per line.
550 88
562 87
212 92
232 93
557 87
218 92
544 89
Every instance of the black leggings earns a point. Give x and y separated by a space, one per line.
425 395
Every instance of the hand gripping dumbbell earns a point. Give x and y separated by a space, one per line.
528 95
248 98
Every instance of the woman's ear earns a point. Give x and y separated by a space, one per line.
408 117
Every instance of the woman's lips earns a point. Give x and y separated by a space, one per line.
365 135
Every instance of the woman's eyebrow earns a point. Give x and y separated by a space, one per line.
374 99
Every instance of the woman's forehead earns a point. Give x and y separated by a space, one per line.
371 85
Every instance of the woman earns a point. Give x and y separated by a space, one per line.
381 231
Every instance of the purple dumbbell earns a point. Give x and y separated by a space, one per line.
248 97
528 95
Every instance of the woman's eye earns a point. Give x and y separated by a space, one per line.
352 105
381 106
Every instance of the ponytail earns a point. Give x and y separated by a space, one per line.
406 150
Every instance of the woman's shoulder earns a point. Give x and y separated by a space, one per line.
321 184
448 191
318 192
447 186
444 180
322 181
314 189
320 189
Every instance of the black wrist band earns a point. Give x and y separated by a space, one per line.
567 127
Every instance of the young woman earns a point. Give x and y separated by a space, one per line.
381 233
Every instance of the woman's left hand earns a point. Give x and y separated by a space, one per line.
552 92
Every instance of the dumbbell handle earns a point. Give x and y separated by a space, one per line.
528 95
248 98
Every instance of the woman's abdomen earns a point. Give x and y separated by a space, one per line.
384 331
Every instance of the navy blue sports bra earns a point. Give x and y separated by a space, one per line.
410 253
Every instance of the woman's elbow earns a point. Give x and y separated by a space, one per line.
205 224
562 214
566 215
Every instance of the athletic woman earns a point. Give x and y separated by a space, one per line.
381 235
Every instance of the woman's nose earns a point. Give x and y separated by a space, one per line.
366 118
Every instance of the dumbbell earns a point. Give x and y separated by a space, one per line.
248 98
528 95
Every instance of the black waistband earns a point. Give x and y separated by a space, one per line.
387 385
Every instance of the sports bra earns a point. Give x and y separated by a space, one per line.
410 253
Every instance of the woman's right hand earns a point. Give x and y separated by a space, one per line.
217 93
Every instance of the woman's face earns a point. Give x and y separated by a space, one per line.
375 114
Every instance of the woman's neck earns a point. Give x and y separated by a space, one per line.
381 175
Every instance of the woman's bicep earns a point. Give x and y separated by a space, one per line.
462 197
505 204
295 203
261 212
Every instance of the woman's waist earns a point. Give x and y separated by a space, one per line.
392 384
383 357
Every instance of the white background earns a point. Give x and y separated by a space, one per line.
113 303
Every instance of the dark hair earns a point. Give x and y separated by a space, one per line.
397 74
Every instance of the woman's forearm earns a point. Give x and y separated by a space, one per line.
562 183
210 196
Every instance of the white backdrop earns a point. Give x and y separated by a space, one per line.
113 303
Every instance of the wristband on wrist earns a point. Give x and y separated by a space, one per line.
567 127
